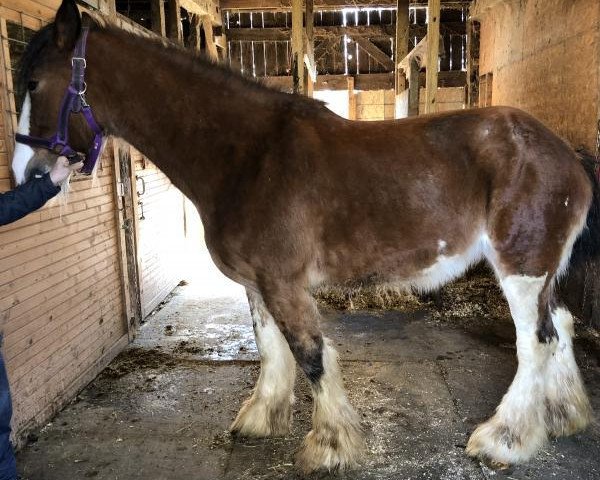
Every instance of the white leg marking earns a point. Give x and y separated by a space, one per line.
268 411
336 440
517 430
568 409
23 153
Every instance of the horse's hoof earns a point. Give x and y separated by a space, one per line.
498 465
331 449
262 418
500 444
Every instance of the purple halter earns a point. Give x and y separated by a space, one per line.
73 102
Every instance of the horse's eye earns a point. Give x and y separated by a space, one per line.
32 85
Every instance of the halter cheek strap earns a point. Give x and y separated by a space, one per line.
73 102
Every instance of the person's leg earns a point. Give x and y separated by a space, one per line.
8 467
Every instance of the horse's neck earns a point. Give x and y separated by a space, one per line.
196 124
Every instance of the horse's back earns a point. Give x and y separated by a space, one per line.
398 197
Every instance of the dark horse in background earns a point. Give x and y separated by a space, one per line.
293 197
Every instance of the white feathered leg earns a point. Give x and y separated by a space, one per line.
268 412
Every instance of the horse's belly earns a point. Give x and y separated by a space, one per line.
447 267
423 269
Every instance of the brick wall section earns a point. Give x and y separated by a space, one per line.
545 58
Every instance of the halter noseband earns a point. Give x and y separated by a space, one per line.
73 102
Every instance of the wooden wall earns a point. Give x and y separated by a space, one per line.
545 58
374 105
60 282
60 294
63 306
160 215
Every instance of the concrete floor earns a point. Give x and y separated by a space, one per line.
421 382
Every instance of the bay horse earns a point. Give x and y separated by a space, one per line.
293 197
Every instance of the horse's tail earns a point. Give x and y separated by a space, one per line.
587 246
579 289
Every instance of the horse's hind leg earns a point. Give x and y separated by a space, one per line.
268 411
335 441
547 395
567 407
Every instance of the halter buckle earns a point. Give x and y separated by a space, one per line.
79 59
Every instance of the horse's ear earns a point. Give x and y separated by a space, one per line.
67 25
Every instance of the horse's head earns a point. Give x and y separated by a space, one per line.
44 76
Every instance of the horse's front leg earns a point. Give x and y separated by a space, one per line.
268 412
336 440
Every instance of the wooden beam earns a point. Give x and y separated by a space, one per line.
175 30
309 51
364 81
351 99
211 46
283 34
157 16
195 7
298 46
373 50
194 38
413 88
7 118
107 7
431 64
282 5
472 63
373 32
401 48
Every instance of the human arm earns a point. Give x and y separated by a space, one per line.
34 193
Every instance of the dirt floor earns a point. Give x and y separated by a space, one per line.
421 379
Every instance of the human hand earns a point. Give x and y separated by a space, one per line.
62 169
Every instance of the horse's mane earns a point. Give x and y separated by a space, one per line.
31 56
220 73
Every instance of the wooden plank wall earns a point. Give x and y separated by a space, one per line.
160 263
61 304
545 60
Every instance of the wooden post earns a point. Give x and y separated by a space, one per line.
310 46
351 99
126 239
157 15
472 63
297 46
175 30
433 47
413 88
194 37
7 102
401 49
211 47
108 7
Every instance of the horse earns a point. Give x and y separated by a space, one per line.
293 197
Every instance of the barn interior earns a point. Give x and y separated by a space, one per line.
129 353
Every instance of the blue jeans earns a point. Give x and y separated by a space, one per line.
8 466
